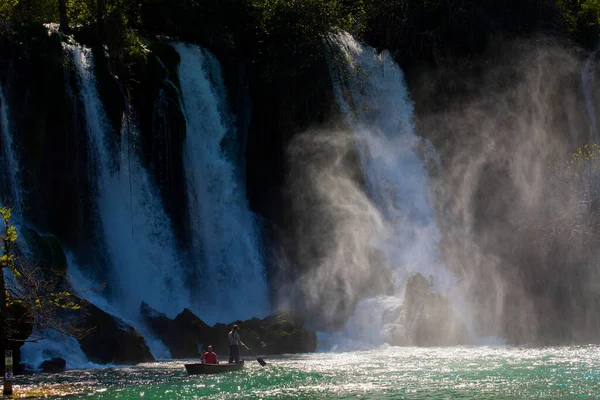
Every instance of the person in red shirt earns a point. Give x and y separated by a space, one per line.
209 356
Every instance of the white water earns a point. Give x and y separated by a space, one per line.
588 81
140 243
54 345
372 94
376 320
8 157
88 291
140 237
225 233
377 105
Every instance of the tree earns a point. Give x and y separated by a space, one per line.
32 296
7 261
63 18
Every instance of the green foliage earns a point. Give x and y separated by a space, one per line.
63 300
310 19
31 288
7 9
583 169
28 11
8 238
582 18
80 13
268 31
124 44
290 34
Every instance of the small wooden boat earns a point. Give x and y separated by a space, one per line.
203 368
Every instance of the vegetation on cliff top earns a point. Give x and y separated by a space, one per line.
431 29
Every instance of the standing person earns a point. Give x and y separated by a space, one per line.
234 341
209 356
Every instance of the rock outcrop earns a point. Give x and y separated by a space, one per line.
181 335
111 340
53 365
428 317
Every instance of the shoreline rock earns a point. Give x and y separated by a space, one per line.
111 340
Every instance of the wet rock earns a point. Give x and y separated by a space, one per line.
429 318
186 334
111 340
53 365
183 334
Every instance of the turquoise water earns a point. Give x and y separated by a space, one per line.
385 373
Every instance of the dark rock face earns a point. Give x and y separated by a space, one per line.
184 334
47 120
155 96
54 365
47 253
112 340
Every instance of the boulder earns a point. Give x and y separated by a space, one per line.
158 322
53 365
111 340
429 318
181 335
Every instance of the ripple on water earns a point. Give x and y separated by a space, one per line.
386 373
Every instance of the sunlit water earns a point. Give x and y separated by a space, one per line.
385 373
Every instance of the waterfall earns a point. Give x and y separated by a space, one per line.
588 80
226 242
137 232
373 96
8 160
378 108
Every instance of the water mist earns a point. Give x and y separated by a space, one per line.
519 231
588 82
362 197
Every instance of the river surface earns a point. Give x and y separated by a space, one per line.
384 373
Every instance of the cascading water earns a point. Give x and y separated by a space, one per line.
138 235
226 241
8 159
376 103
587 80
372 94
54 345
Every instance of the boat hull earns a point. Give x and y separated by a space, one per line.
203 368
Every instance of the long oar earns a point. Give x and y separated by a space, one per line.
260 360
